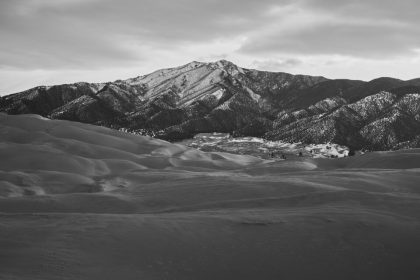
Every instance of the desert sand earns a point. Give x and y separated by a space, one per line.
86 202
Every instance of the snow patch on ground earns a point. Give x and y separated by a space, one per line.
219 93
253 95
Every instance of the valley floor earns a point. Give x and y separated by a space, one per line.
84 202
261 148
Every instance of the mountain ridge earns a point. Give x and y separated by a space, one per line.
179 102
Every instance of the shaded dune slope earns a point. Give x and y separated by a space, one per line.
86 202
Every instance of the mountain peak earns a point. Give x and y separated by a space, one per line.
193 64
224 62
227 66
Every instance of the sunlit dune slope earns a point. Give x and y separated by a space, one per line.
40 156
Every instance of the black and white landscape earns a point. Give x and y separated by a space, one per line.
86 202
212 169
178 103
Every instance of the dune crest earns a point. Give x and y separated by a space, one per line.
42 156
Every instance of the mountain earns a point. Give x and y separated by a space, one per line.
177 103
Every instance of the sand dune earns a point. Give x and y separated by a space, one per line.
86 202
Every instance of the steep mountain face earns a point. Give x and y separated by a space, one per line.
380 121
180 102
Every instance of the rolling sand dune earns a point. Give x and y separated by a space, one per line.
86 202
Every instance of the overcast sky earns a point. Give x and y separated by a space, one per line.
45 42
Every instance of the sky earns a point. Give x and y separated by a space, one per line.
46 42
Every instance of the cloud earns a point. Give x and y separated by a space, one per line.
108 36
276 65
366 29
51 33
401 11
357 40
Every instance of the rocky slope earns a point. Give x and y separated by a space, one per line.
180 102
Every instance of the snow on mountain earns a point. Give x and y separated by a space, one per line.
180 102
